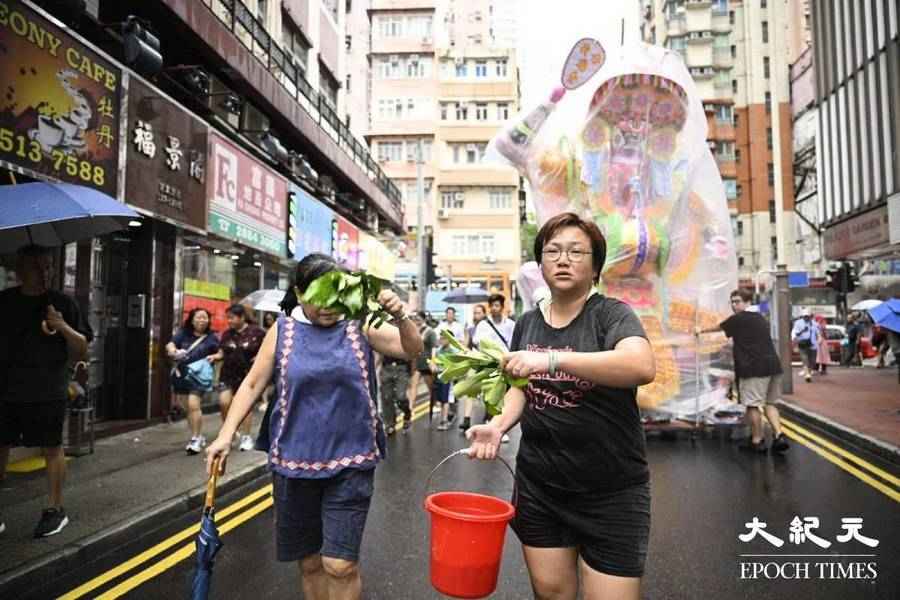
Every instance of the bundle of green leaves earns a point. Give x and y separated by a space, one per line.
477 371
354 295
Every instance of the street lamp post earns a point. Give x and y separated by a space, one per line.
420 227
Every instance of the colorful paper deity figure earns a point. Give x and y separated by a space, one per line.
639 166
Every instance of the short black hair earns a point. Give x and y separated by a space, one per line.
449 308
590 229
237 310
189 322
744 294
497 298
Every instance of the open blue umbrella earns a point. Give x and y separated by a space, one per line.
887 314
53 214
472 294
208 543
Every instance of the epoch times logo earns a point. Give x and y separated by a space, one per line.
806 563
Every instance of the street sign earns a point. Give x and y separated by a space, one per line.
798 279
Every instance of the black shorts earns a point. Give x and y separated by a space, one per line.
610 530
322 516
38 425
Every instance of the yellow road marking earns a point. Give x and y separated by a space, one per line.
143 557
419 411
864 477
181 554
838 450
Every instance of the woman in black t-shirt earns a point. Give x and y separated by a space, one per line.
582 482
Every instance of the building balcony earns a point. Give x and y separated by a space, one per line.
453 131
403 5
676 25
698 3
478 174
721 22
422 45
263 72
720 130
722 58
727 165
450 89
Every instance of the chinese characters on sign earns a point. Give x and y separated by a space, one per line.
60 107
166 157
247 200
802 530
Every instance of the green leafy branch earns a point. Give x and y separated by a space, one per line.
477 372
354 295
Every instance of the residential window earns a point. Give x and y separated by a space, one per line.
412 149
500 199
501 67
771 172
740 260
737 155
329 85
724 113
453 199
734 86
390 26
739 190
765 32
768 102
731 17
481 112
769 138
480 68
295 44
462 69
733 51
390 151
771 211
444 108
740 228
468 153
462 111
725 150
766 67
734 119
763 3
348 42
503 111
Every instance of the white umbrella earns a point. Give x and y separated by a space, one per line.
265 300
866 304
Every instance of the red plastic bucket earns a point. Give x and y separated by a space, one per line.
467 534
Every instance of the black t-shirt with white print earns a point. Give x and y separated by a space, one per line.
578 436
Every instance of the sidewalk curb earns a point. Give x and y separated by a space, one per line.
875 446
30 577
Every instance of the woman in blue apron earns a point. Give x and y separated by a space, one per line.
325 433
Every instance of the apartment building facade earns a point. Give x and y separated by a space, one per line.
729 47
444 76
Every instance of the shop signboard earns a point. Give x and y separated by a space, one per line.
213 297
310 224
345 242
166 157
853 237
376 258
247 200
59 102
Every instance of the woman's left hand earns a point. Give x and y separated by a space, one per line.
391 303
523 364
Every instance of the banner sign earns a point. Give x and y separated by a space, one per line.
311 225
345 242
247 200
59 102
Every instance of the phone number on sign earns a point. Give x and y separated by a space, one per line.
73 166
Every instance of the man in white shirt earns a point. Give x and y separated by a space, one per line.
496 327
455 327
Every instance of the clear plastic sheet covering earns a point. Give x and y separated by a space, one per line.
637 163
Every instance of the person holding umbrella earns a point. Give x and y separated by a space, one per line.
43 335
325 434
582 480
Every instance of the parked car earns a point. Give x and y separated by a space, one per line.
835 334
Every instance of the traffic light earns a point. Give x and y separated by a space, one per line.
430 276
852 280
843 279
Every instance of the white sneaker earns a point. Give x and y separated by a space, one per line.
246 443
504 439
194 446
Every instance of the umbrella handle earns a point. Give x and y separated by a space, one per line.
211 486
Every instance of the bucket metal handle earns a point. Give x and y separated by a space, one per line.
465 452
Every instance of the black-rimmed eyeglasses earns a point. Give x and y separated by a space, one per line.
575 256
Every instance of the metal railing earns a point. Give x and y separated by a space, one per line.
252 33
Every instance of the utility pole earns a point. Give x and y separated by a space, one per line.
420 227
781 326
777 19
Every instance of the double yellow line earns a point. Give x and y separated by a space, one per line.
881 480
246 508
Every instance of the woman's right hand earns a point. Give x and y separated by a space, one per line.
485 441
219 448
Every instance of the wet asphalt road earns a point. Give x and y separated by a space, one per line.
703 494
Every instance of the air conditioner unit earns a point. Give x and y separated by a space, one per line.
459 196
490 259
443 213
459 60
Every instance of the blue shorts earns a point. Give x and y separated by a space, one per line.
322 516
442 392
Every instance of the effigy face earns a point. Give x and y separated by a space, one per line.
638 166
